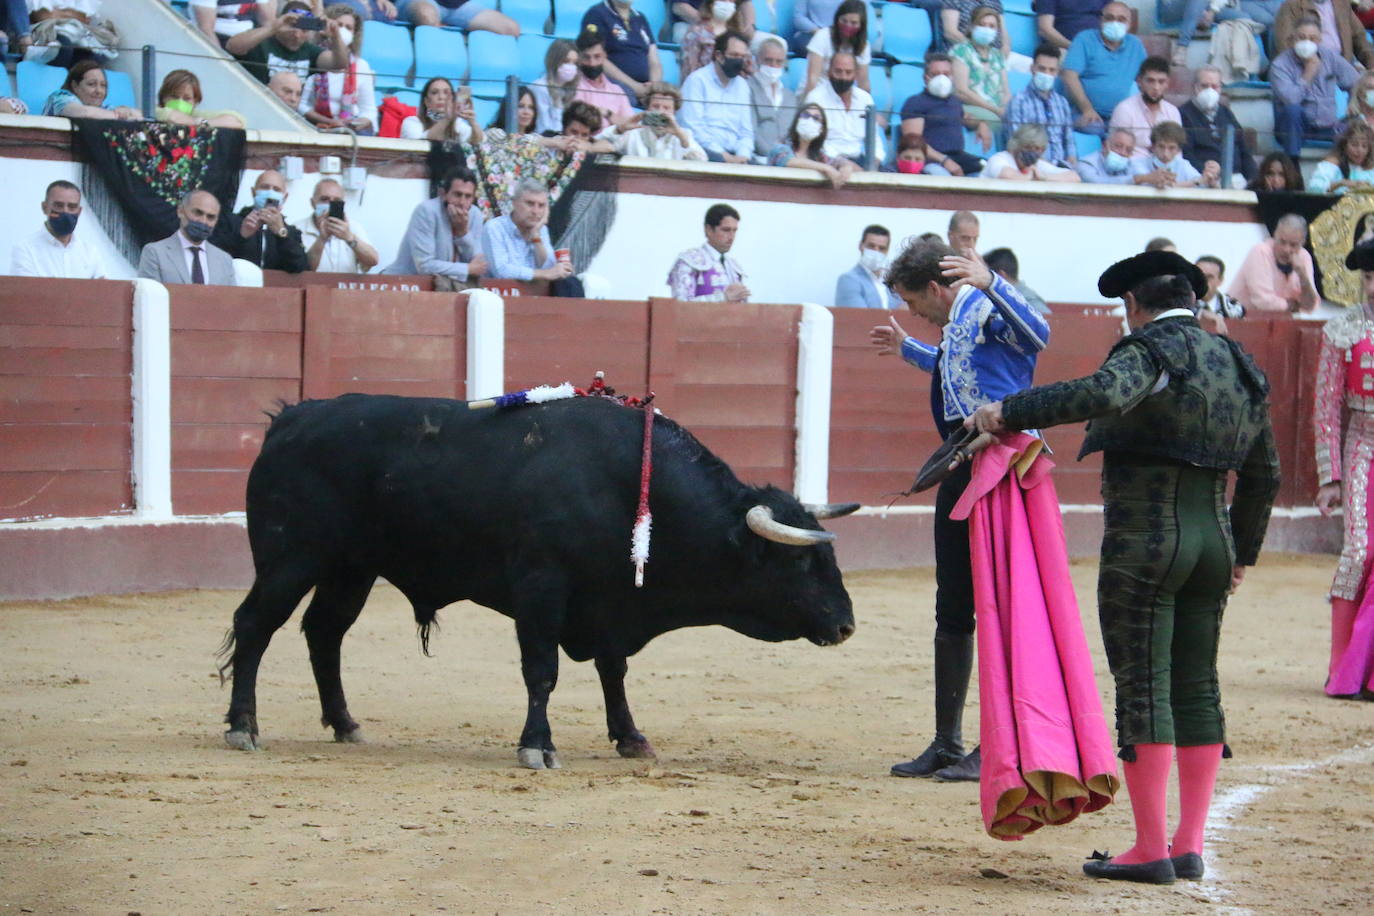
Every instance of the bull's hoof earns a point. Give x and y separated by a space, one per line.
242 741
531 758
635 747
352 736
551 760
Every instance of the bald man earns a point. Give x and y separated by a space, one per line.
259 232
286 86
187 256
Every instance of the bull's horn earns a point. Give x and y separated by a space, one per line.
760 521
823 511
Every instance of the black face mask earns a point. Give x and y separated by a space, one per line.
841 86
732 67
591 73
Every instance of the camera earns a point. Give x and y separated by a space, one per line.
308 23
654 119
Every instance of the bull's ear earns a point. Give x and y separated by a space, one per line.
823 511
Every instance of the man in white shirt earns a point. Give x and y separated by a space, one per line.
655 132
334 244
846 110
715 102
54 250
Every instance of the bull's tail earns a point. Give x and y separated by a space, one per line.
225 653
426 618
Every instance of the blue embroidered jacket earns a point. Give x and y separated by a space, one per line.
987 351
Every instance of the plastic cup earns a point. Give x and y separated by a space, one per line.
562 254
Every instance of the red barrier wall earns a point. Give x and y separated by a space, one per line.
65 364
550 341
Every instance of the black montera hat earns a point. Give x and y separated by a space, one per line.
1125 275
1361 257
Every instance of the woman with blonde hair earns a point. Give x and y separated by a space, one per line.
556 88
347 97
1024 158
178 102
980 74
1362 99
1349 165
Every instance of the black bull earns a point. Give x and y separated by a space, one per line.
527 511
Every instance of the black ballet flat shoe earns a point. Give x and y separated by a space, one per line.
936 757
1188 866
1100 865
966 770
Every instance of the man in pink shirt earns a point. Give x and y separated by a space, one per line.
1277 274
1139 113
593 86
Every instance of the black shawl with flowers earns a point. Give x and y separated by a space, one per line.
134 173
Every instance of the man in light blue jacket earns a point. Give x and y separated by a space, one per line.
863 286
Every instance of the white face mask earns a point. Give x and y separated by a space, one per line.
940 86
983 35
1305 49
808 128
872 260
771 74
1208 99
722 10
1043 82
346 36
1115 162
566 73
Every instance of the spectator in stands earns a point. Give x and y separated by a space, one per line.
1361 104
937 115
187 256
1112 163
964 231
593 86
435 110
1277 273
1202 14
863 286
1349 165
1141 111
9 105
715 103
1099 67
1003 262
177 100
259 232
655 132
1217 302
223 19
14 21
54 250
1024 159
706 274
526 113
334 244
517 245
468 15
956 23
631 51
1304 79
911 156
1276 172
64 32
1160 243
1059 22
718 17
345 97
83 96
980 75
582 129
1039 104
804 147
807 17
557 86
849 32
279 44
374 10
1205 119
774 105
443 237
1166 167
287 86
1339 31
846 111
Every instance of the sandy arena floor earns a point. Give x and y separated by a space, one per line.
770 795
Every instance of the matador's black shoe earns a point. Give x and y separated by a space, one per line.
1188 866
936 757
966 770
1100 865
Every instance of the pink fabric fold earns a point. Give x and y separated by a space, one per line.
1047 753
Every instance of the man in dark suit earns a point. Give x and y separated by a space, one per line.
863 285
187 256
1205 119
260 234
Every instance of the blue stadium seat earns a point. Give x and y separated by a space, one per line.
672 70
531 49
907 80
486 110
1017 80
1018 6
656 11
121 90
388 50
906 33
36 82
795 77
764 15
567 16
1086 144
489 62
1342 102
1024 38
533 16
782 17
881 88
439 52
972 146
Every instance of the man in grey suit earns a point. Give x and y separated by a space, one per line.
444 237
187 255
773 103
864 285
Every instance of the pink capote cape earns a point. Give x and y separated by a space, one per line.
1047 754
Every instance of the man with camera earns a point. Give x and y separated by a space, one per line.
333 243
286 44
259 233
656 133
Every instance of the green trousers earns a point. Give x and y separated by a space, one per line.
1167 556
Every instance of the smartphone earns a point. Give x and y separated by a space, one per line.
308 23
654 119
336 209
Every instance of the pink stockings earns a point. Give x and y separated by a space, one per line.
1147 781
1342 622
1197 774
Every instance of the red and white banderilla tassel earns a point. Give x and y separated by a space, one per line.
644 519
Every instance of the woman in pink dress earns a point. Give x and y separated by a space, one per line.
1345 377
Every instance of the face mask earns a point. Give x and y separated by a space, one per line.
63 224
1114 31
1305 49
732 66
874 261
1027 158
322 210
771 74
1043 82
940 86
983 35
808 128
1208 99
841 86
848 30
265 198
722 10
346 36
1115 162
591 73
436 115
197 231
565 73
180 105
